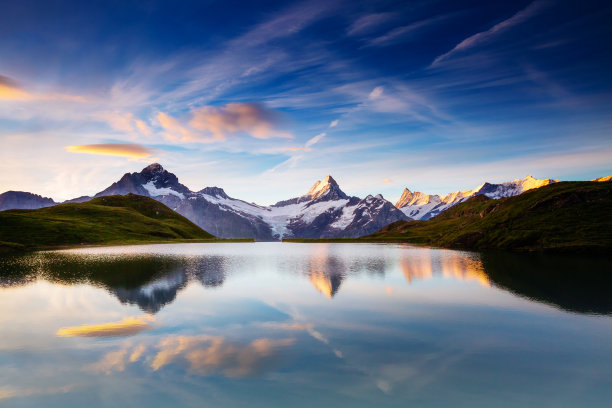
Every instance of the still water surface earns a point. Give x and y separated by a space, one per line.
273 324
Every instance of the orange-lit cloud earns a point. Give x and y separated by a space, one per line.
211 123
387 181
10 91
132 151
210 355
125 122
126 327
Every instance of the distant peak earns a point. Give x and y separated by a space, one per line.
214 191
405 199
153 168
329 179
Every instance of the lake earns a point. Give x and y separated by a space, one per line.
303 325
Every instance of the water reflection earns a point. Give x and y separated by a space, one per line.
151 282
203 355
303 325
428 263
127 326
574 283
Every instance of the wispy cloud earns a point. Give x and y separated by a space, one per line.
11 392
402 32
131 151
11 91
125 122
212 124
368 23
482 37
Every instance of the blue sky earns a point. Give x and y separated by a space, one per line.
264 98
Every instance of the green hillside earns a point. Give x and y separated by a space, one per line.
566 216
105 220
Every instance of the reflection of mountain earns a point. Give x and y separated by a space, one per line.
325 272
448 264
573 283
326 283
152 296
151 282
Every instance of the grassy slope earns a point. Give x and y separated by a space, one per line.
566 216
104 220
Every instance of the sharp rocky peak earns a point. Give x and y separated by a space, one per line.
327 187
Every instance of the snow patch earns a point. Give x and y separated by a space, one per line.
154 191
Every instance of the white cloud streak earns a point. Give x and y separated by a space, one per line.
484 36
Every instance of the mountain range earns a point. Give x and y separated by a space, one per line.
325 211
421 206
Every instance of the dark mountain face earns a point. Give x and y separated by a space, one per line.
152 181
223 221
22 200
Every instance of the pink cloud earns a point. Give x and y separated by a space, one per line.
212 123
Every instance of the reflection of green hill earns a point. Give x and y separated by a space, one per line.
576 284
151 282
104 220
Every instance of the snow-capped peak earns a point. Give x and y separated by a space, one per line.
326 187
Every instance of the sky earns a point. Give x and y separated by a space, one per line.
264 98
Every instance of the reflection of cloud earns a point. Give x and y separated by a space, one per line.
118 360
212 123
455 265
209 355
10 392
132 151
111 362
125 327
137 353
